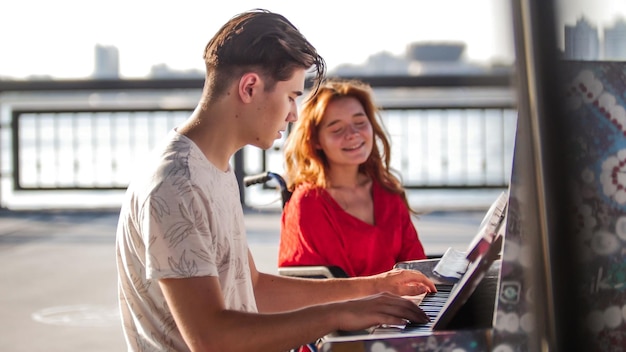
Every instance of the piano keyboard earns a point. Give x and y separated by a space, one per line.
431 305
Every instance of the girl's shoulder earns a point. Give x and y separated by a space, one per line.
308 190
380 193
309 197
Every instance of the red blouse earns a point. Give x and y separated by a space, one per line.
315 230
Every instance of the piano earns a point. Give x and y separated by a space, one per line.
470 325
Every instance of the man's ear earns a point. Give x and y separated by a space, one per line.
249 84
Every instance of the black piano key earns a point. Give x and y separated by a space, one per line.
444 287
414 326
436 299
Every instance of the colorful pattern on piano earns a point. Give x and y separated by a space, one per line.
596 102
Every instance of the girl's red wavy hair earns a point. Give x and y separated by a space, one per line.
304 163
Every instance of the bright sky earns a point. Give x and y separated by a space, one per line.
57 37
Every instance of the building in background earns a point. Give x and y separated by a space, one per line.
107 62
164 71
615 41
582 41
379 63
420 58
441 58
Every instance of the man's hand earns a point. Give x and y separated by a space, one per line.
382 308
403 282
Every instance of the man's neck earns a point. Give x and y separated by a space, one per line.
214 135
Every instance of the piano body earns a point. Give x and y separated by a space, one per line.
471 326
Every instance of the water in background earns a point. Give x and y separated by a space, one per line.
428 146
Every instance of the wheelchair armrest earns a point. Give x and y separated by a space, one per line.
313 271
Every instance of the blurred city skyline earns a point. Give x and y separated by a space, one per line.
56 40
418 59
583 40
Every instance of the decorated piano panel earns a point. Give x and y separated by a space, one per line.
595 102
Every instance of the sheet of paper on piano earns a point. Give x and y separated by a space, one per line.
454 262
452 265
489 227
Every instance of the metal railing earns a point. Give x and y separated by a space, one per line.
443 136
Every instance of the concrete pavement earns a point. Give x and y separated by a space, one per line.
58 273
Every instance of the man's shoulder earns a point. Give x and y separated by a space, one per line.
168 161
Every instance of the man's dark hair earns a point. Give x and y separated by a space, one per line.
261 41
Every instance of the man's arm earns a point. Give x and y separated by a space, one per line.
206 325
279 293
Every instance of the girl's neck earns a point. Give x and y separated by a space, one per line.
354 196
348 182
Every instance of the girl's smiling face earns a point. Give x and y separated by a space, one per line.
345 133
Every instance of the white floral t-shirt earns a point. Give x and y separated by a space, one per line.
181 218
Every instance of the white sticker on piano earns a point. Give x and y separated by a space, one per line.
417 299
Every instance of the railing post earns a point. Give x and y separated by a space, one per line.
239 174
2 127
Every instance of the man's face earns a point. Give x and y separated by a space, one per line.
276 109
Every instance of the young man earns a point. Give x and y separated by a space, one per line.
187 280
